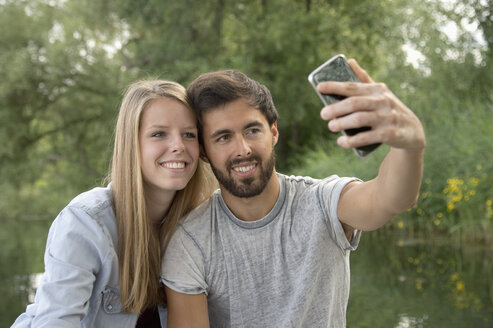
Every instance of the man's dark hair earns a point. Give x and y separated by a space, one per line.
211 90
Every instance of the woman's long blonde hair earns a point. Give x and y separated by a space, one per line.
140 244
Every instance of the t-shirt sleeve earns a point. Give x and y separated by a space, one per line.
329 194
183 266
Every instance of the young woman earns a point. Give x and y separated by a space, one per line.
104 250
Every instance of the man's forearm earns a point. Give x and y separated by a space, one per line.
399 179
369 205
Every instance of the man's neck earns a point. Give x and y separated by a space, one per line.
254 208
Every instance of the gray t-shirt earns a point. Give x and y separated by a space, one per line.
288 269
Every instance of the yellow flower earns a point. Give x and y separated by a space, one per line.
454 277
436 222
459 285
453 185
428 181
457 198
400 224
479 167
439 215
450 207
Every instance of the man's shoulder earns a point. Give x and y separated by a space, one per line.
308 191
297 181
200 218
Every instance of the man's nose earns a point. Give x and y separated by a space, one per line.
242 148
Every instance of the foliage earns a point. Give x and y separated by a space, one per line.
65 64
58 100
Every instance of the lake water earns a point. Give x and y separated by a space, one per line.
396 282
402 282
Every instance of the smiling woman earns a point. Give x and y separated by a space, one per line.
104 250
169 150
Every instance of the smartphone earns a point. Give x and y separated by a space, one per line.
338 69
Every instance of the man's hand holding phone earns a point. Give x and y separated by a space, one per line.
375 108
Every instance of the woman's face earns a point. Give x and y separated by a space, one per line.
169 145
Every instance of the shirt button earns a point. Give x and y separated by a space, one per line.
110 307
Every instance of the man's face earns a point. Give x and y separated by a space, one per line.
239 144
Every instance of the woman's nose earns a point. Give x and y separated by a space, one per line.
177 144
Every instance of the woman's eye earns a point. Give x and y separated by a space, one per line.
190 135
158 134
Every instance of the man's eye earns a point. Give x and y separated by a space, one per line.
222 138
253 131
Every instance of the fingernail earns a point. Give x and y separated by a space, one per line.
332 125
324 113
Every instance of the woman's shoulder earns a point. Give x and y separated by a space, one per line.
94 200
91 211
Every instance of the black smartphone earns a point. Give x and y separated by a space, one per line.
338 69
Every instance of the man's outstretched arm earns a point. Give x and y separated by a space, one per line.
369 205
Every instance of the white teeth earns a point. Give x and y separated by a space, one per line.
174 165
244 168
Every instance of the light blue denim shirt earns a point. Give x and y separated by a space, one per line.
80 286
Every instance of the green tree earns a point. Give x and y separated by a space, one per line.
65 64
58 100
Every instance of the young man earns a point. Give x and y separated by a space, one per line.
269 250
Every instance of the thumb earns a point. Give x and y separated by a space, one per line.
360 73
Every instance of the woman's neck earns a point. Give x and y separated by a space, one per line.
158 204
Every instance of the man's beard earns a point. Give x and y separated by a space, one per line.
246 187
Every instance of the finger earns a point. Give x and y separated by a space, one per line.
349 89
360 73
350 105
354 121
358 140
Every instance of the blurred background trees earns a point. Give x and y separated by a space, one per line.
64 65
